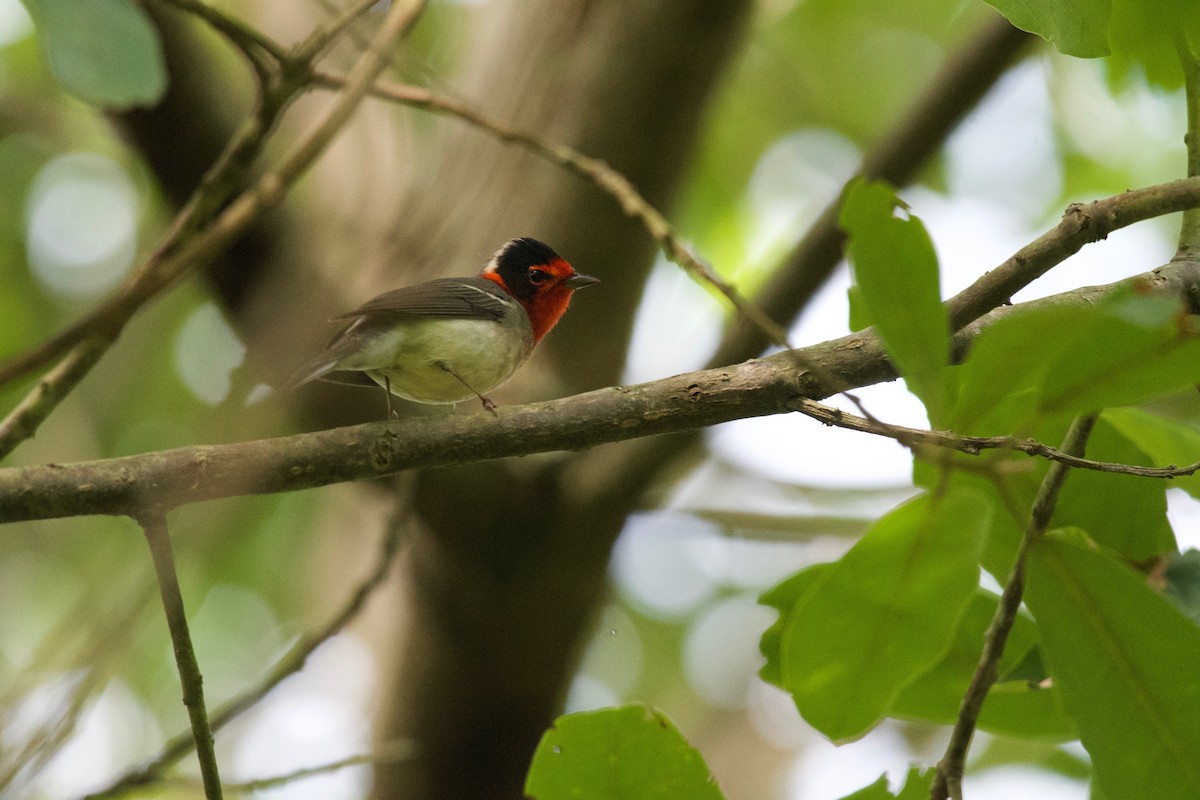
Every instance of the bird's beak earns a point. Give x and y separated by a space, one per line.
579 280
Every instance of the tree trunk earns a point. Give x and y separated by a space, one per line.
503 583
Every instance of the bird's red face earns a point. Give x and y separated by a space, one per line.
539 279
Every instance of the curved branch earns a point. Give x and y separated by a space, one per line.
1081 224
953 92
388 752
252 42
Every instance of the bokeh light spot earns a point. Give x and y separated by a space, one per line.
81 225
206 351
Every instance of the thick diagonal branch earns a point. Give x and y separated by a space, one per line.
682 403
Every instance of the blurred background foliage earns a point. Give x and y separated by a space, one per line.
86 681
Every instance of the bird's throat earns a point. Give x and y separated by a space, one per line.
546 309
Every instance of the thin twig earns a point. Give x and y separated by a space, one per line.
154 524
385 753
24 419
308 50
43 744
399 20
63 648
974 445
291 662
948 781
246 38
609 180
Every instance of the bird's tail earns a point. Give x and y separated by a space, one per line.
314 369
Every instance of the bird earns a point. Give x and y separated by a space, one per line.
450 339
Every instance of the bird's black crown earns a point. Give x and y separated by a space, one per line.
512 263
523 253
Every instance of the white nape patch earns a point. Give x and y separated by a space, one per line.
494 262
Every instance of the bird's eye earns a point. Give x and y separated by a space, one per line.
538 276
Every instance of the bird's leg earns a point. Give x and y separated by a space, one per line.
387 389
487 401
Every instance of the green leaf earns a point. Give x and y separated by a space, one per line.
1125 513
860 318
1145 34
999 381
1027 711
624 753
1075 27
1137 33
876 791
951 675
896 275
883 614
783 597
1125 660
1165 441
916 787
917 784
1015 708
1063 361
105 52
1131 350
1006 527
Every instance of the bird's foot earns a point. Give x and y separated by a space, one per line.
487 401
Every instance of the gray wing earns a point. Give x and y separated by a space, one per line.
445 297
